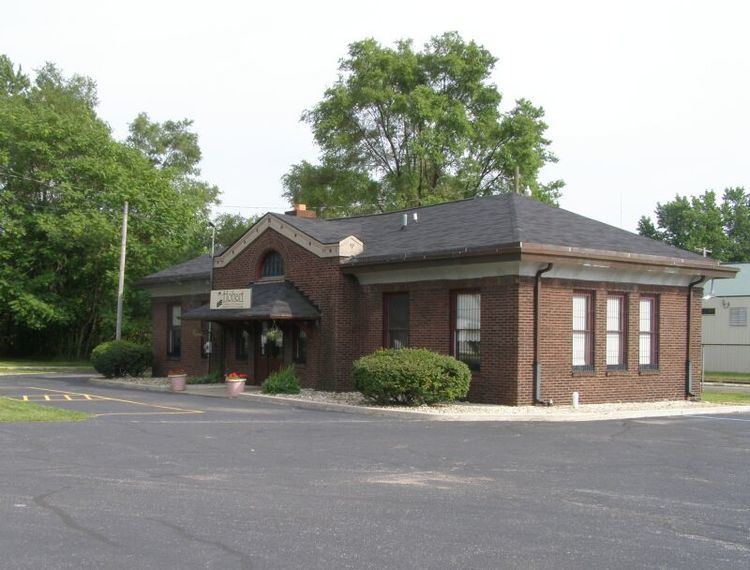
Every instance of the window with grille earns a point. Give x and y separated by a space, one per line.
467 328
738 317
648 337
396 320
174 330
583 331
616 336
273 265
300 346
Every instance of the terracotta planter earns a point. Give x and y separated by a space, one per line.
177 382
235 387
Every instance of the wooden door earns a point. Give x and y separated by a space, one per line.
269 354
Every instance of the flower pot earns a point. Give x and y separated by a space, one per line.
177 382
235 387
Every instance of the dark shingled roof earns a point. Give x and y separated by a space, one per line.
270 300
476 224
458 227
197 268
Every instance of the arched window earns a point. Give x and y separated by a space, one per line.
273 265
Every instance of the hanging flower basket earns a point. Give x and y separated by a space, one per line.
235 382
275 335
177 380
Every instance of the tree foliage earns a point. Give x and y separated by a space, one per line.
403 128
698 222
231 227
63 181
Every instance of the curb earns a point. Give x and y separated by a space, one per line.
417 415
128 385
565 417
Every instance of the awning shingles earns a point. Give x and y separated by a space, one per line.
271 300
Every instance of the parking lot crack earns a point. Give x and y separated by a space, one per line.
245 561
44 502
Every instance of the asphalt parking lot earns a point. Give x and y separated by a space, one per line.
157 480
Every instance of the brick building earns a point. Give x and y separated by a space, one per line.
540 302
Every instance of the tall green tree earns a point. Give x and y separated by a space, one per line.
63 181
402 128
698 222
231 227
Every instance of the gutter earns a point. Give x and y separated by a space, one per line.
688 361
537 318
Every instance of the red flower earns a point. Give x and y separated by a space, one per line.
236 376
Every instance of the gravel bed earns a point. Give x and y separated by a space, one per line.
143 380
458 408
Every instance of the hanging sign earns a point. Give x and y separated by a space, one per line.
231 299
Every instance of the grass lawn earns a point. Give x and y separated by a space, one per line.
15 411
725 397
738 377
19 366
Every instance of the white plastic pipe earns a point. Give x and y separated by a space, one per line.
575 400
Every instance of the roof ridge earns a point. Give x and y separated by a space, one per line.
411 209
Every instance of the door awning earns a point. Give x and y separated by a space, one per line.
270 300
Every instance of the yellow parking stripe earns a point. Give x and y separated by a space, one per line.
25 398
67 397
46 397
110 399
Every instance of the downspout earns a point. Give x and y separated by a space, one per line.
537 318
688 361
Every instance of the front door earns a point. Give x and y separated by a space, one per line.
269 351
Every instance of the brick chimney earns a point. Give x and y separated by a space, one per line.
301 211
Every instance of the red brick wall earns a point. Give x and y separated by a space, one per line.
431 327
190 357
559 380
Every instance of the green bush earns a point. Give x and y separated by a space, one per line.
411 376
121 358
282 382
210 378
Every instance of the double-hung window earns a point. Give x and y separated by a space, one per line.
467 328
648 336
583 331
396 320
300 346
174 330
616 335
242 344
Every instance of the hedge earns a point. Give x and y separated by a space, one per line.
118 358
411 376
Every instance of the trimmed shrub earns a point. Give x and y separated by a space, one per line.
121 358
211 378
282 382
411 376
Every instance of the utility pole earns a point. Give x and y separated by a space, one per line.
121 281
210 341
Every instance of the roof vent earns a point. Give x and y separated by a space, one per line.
415 217
404 220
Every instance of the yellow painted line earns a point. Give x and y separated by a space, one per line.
46 397
146 413
25 398
67 397
109 399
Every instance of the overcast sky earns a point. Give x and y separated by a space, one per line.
643 99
